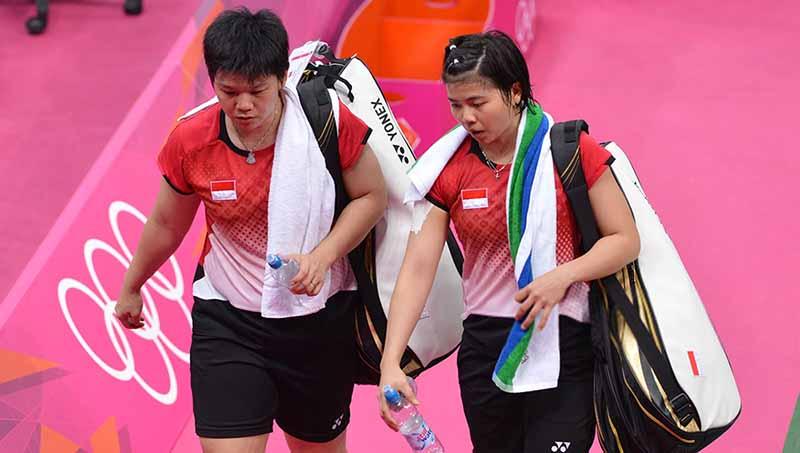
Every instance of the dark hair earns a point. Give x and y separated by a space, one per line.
245 43
492 55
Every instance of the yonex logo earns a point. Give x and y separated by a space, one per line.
560 447
338 422
384 117
401 153
390 126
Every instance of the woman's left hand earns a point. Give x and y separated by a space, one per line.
540 296
311 276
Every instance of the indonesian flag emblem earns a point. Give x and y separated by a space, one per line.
223 190
475 198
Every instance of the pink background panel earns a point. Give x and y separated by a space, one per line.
699 94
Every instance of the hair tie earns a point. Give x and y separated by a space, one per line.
452 46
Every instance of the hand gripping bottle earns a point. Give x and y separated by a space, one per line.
282 271
412 426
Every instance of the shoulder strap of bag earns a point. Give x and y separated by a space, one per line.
318 108
565 138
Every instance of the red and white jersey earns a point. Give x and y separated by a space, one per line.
200 158
476 201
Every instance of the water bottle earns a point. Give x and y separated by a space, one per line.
282 271
412 426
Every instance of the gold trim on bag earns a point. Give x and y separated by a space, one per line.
569 170
372 331
646 309
614 431
365 360
327 130
412 366
369 254
599 431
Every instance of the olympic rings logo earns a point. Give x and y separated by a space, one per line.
117 334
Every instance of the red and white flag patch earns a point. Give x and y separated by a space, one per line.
475 198
224 190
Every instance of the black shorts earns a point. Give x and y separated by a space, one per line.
559 420
248 370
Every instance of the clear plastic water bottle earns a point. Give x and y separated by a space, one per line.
412 426
282 271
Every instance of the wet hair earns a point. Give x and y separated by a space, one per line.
492 55
249 44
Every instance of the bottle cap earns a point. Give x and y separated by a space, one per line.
274 261
392 396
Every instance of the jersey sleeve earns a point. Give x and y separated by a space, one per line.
594 159
353 135
439 195
170 162
445 191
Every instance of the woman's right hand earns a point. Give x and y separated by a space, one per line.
393 376
129 309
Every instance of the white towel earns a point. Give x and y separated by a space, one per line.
425 171
301 207
540 363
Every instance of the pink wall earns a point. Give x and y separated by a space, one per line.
698 93
702 96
